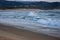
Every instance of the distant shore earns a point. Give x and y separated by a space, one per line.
24 9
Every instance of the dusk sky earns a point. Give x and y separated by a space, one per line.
37 0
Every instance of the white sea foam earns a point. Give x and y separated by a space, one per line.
33 20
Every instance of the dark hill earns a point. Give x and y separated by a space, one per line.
38 5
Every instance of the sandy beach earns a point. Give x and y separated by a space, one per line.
10 33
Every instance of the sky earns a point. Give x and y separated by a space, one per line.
37 0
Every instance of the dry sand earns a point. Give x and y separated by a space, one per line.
10 33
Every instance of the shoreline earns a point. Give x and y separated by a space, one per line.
23 9
28 35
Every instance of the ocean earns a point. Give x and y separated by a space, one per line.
44 21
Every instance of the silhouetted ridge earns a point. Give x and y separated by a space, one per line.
38 5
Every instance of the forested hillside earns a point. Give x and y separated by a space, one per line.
38 5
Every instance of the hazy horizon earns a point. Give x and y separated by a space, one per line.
37 0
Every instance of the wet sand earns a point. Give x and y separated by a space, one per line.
10 33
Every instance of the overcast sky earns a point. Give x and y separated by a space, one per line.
37 0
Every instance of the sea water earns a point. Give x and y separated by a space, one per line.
50 18
34 19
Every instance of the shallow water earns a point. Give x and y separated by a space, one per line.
46 22
51 18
